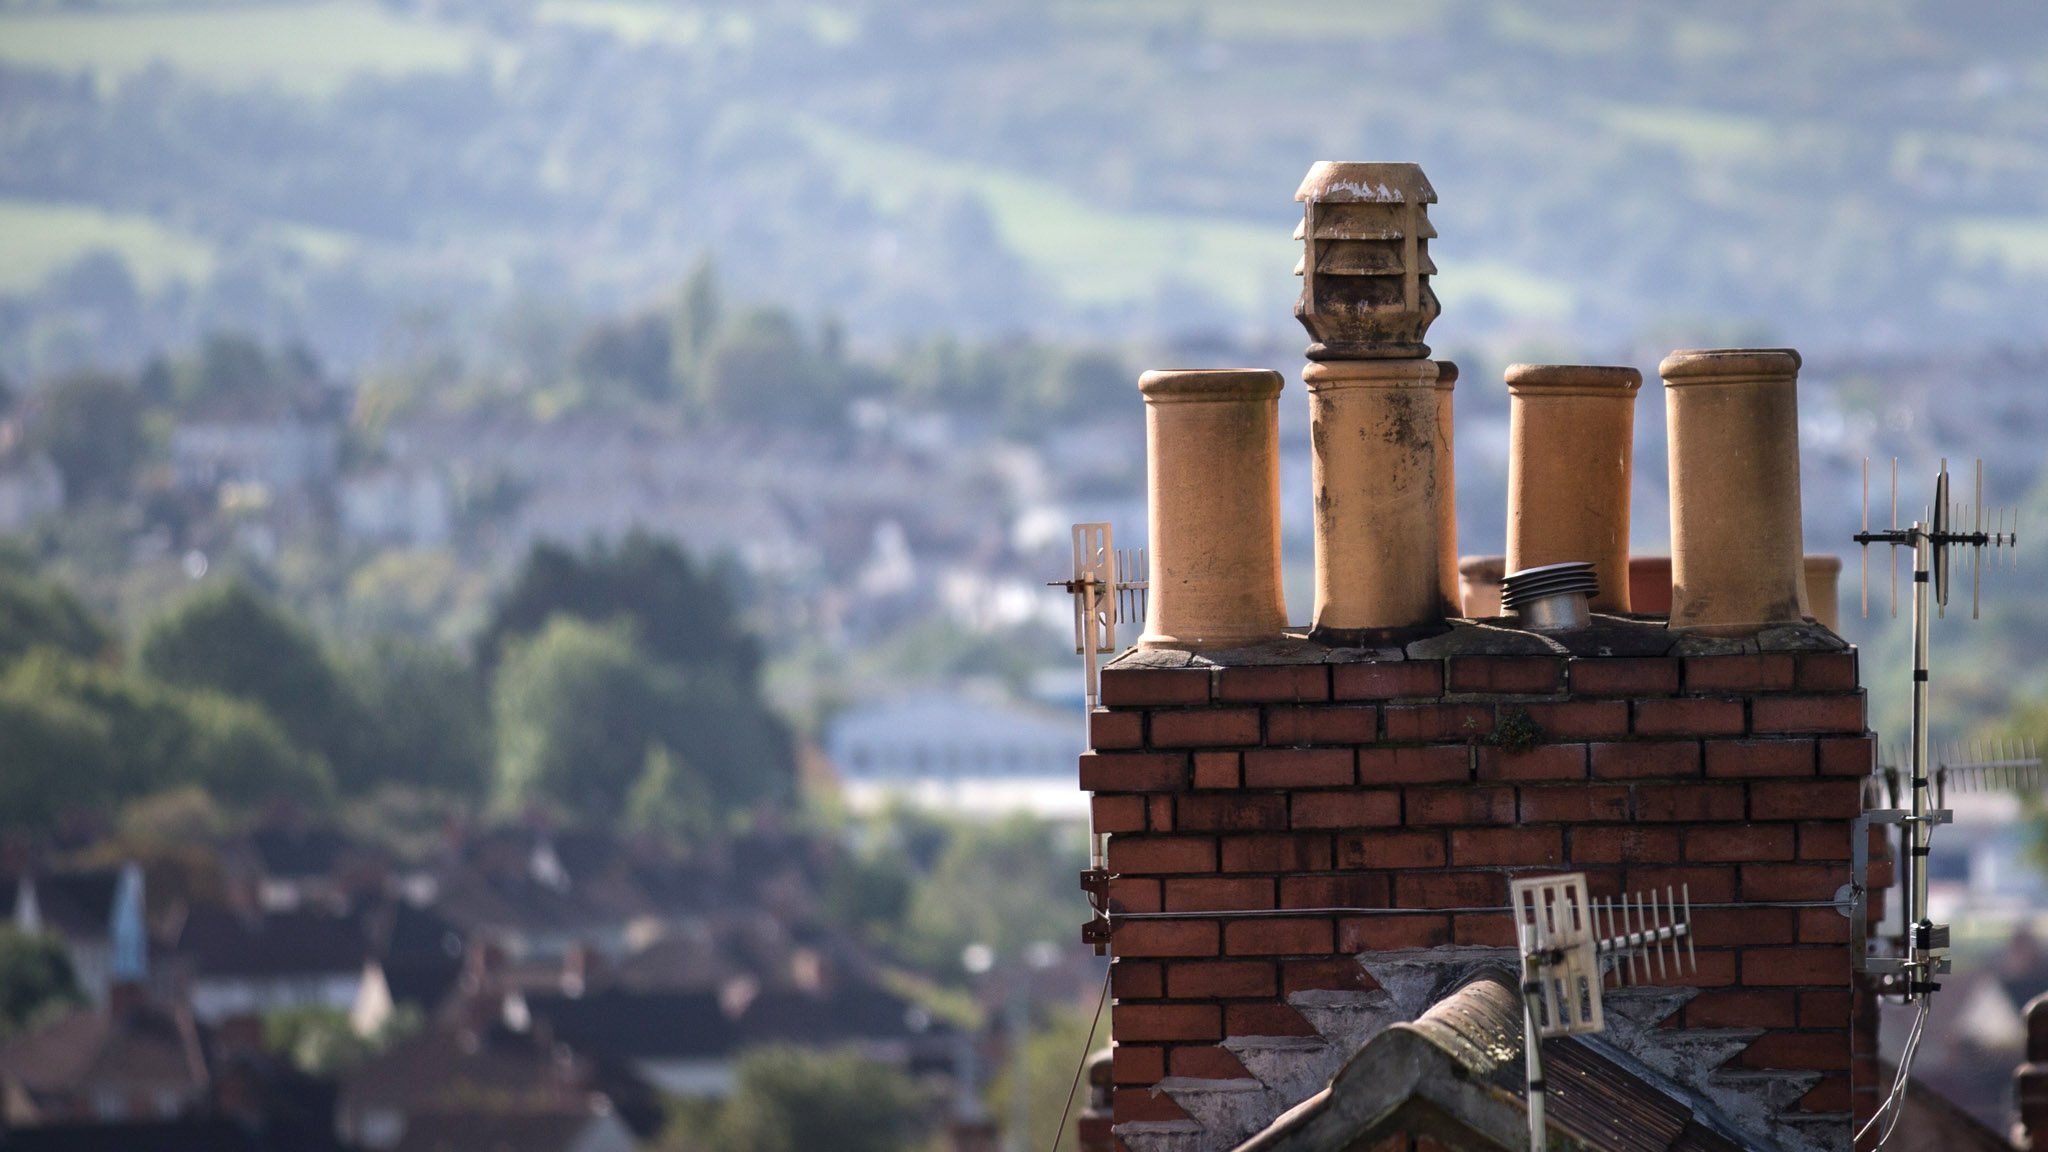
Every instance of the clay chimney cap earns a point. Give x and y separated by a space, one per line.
1446 374
1573 380
1197 384
1490 568
1358 182
1727 365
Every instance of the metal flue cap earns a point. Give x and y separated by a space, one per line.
1551 597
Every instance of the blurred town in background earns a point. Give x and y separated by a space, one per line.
523 609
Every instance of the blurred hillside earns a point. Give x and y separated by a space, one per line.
1866 174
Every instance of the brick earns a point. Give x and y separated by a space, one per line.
1205 727
1116 730
1574 804
1831 1094
1645 759
1821 1008
1165 938
1161 854
1219 769
1126 687
1507 675
1792 881
1824 841
1579 719
1627 844
1755 672
1393 848
1118 813
1624 676
1847 755
1735 927
1134 894
1807 799
1435 764
1349 809
1140 1022
1744 758
1742 1008
1218 893
1137 1064
1469 805
1276 853
1390 932
1689 802
1288 937
1265 1020
1221 979
1483 847
1273 683
1687 716
1432 723
1825 672
1700 884
1777 967
1542 762
1739 843
1144 1105
1329 724
1335 974
1483 930
1159 811
1792 714
1133 772
1823 926
1450 889
1387 680
1807 1051
1230 812
1206 1062
1137 979
1298 767
1711 970
1336 890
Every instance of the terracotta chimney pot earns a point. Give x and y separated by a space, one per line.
1571 435
1479 580
1649 585
1378 440
1447 493
1823 590
1737 560
1212 440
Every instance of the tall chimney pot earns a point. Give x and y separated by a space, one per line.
1378 443
1823 590
1212 440
1571 436
1453 595
1736 541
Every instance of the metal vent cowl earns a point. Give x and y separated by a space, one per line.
1551 597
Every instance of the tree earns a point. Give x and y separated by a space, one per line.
761 370
41 614
91 427
791 1100
230 639
58 758
1000 884
583 714
680 612
630 358
699 312
429 717
36 980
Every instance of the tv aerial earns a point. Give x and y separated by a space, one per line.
1916 783
1569 943
1109 588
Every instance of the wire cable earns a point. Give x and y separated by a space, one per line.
1894 1102
1082 1066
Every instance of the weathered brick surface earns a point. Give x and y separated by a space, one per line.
1371 805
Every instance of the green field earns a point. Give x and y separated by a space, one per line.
38 237
309 49
1094 255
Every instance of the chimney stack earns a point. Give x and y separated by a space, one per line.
1571 436
1736 544
1212 441
1386 552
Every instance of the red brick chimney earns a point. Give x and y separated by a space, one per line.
2030 1082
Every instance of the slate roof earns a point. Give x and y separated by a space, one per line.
625 1024
219 942
1456 1075
494 1131
195 1135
